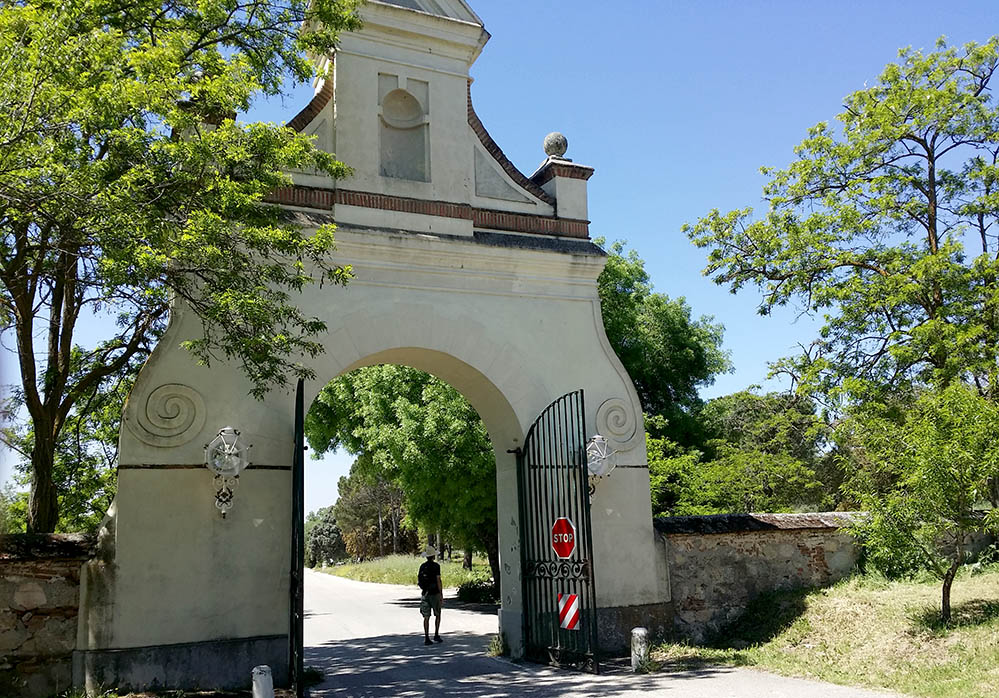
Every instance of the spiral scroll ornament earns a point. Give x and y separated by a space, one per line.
617 422
171 415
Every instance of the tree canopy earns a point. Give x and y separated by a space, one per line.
886 227
323 539
761 453
413 429
126 186
925 467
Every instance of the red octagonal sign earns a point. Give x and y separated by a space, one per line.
563 537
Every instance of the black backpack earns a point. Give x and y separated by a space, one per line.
426 582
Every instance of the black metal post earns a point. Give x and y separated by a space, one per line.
296 630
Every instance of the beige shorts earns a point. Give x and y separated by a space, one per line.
431 602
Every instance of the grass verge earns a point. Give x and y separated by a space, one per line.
402 569
866 632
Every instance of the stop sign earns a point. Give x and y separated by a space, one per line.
563 537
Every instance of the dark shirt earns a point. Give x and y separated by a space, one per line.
430 570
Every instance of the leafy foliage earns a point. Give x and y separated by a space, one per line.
126 186
478 591
323 541
887 227
409 428
85 465
761 455
371 512
925 468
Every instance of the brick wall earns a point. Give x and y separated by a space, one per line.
39 604
718 564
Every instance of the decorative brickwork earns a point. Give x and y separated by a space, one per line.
403 204
312 109
39 605
555 167
325 199
526 223
306 197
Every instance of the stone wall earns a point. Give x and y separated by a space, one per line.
39 605
718 564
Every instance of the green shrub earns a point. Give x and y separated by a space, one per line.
478 591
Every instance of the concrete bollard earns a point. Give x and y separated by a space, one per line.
639 649
263 682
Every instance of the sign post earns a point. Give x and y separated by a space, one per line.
563 537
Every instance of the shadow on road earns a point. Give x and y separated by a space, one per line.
401 665
451 604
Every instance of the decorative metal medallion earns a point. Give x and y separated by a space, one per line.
600 460
226 457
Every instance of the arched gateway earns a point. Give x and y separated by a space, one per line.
465 268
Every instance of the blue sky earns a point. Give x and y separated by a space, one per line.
677 105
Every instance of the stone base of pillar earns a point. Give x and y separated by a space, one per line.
614 625
218 664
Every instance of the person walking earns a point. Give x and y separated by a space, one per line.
431 594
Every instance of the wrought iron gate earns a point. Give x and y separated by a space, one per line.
296 643
559 598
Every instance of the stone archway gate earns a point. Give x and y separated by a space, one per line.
465 268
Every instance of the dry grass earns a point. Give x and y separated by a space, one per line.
869 632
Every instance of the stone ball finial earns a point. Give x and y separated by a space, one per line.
555 144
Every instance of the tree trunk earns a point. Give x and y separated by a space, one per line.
467 562
395 533
492 552
381 536
43 502
945 596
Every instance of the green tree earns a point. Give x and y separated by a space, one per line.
419 432
126 186
736 480
926 466
84 473
668 354
886 227
370 509
323 540
762 453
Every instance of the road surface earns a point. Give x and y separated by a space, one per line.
368 641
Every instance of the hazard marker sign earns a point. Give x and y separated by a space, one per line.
568 611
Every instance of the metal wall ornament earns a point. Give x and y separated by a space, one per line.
600 460
226 457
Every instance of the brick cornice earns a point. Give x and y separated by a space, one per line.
497 154
490 219
554 167
312 109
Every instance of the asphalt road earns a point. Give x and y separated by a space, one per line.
368 640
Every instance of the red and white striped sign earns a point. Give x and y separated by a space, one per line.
568 611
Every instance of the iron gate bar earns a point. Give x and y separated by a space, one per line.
296 638
552 481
